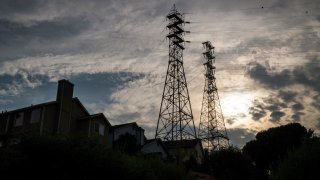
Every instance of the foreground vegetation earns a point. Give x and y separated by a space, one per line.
282 153
62 158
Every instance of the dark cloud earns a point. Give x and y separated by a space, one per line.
308 75
270 104
274 103
9 7
276 115
260 74
257 111
18 40
287 96
273 107
232 119
297 116
239 136
297 107
276 106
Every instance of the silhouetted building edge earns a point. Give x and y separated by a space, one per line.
66 116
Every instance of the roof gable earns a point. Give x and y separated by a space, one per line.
77 101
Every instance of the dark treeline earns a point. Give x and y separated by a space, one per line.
282 153
64 158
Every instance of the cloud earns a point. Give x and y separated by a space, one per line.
14 85
234 118
257 111
137 100
238 136
260 74
276 115
297 107
277 104
297 116
287 96
302 76
18 40
306 74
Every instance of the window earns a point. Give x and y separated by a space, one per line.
35 116
18 119
99 128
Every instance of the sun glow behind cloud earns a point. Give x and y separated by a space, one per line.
236 103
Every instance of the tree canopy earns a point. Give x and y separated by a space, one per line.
271 146
302 163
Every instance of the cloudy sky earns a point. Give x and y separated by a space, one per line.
116 54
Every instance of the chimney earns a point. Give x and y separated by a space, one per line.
65 90
64 98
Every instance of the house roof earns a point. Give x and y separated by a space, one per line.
188 143
126 124
75 99
160 142
31 107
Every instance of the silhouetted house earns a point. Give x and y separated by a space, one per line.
66 116
128 128
184 150
155 148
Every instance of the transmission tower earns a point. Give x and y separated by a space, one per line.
212 130
175 120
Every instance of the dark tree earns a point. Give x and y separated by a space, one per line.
271 146
127 143
228 164
302 163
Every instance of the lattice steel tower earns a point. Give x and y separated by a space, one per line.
175 117
212 130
